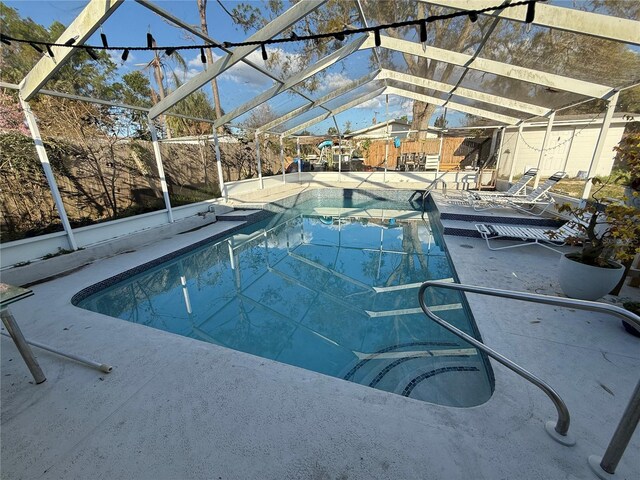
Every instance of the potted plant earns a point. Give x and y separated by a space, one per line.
608 232
629 155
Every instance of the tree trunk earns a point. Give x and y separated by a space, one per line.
157 70
202 9
422 113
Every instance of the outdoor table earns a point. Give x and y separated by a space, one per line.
8 295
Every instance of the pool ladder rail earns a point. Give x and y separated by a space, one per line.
604 467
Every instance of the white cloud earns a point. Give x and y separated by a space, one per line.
333 81
375 103
285 65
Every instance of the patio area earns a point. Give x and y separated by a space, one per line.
113 169
179 408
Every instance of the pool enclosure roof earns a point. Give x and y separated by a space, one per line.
482 78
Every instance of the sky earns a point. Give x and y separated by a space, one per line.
129 24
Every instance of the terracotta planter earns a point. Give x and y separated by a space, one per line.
587 282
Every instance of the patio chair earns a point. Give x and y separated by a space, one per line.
518 188
535 198
529 236
431 162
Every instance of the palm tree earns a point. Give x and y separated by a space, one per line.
158 66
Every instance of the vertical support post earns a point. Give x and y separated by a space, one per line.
339 158
602 138
259 162
516 149
444 121
620 439
48 173
386 156
284 177
502 133
163 180
335 122
545 143
23 347
566 159
386 147
494 138
223 187
299 159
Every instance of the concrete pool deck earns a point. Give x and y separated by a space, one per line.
177 408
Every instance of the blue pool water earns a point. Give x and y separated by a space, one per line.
327 286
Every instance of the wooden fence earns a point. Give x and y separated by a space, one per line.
457 152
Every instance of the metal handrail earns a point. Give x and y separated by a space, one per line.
631 415
562 424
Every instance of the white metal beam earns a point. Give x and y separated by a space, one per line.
464 92
223 187
82 27
48 173
550 80
602 138
273 28
543 150
293 80
353 103
284 175
453 105
258 160
109 103
330 96
161 175
516 150
560 18
194 31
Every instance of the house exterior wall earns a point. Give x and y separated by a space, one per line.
572 155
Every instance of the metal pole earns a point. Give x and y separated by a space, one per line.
502 133
516 150
103 367
386 156
223 187
335 122
163 180
339 159
259 162
386 147
494 138
48 173
284 177
444 121
602 138
621 437
566 159
299 159
545 143
16 335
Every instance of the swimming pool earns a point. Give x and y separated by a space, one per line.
329 285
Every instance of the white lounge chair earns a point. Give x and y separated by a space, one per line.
537 197
530 236
518 188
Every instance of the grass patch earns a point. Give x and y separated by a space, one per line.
574 188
